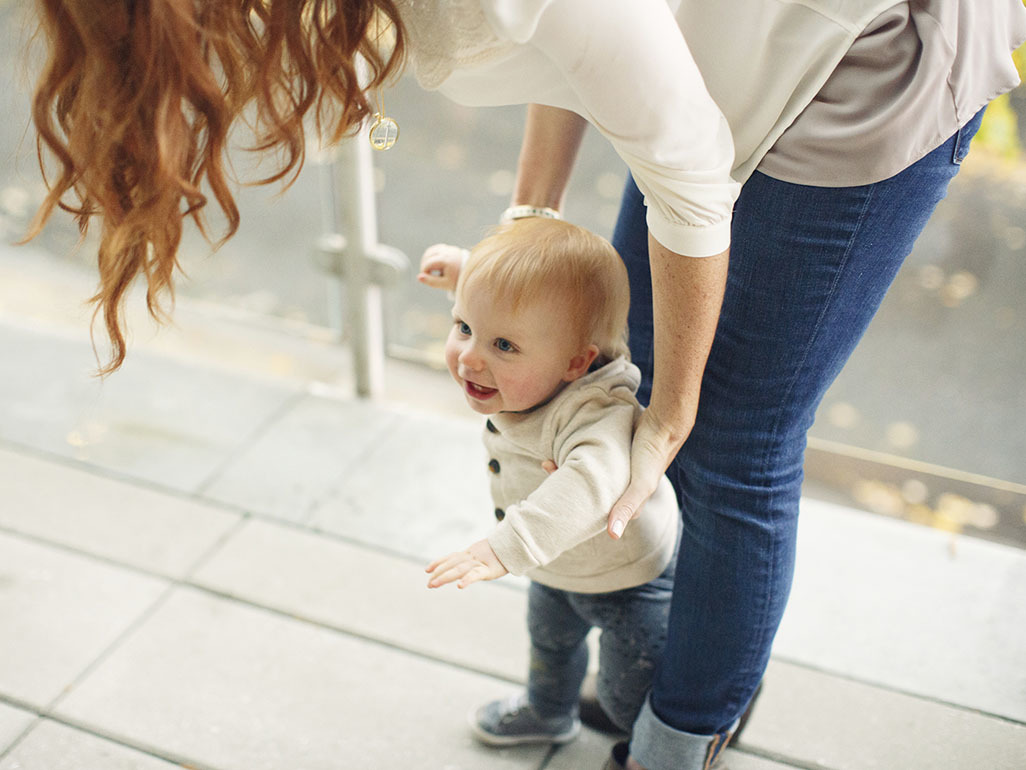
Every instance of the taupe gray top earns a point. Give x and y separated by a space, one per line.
908 82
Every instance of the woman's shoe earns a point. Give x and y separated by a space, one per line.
595 717
617 759
591 711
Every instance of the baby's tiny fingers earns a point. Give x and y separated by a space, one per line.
449 573
475 575
438 562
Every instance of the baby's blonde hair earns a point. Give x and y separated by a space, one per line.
546 259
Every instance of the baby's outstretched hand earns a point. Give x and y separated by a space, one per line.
440 266
478 562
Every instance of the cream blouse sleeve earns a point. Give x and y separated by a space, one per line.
635 80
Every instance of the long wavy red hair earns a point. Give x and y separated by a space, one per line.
137 97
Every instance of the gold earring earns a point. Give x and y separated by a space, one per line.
384 131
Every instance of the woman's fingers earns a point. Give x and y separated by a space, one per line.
628 506
652 451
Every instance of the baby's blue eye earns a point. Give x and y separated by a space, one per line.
464 328
504 345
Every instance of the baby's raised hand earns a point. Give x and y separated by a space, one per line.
440 266
478 562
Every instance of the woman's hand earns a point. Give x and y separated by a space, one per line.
654 446
440 266
478 562
686 296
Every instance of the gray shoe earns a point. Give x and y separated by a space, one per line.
512 721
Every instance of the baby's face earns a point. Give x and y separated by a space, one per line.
506 361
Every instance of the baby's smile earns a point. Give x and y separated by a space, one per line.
479 391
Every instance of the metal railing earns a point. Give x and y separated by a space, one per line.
360 266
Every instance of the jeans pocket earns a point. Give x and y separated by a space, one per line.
964 136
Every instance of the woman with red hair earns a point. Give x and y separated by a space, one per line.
811 140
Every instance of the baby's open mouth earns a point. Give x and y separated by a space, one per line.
479 391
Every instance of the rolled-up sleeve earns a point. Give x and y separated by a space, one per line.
636 81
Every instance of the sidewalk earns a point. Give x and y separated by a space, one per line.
214 560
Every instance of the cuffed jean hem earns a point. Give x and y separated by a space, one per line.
657 746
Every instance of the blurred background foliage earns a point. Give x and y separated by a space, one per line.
1003 131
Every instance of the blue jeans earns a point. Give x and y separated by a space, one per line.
809 267
633 624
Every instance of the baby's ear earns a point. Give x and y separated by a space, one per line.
579 363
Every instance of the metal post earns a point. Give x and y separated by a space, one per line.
355 178
350 251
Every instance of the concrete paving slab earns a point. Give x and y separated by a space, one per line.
233 687
739 760
13 722
299 459
114 519
53 746
60 611
421 490
588 752
817 719
914 609
156 419
346 587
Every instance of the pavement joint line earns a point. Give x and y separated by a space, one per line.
89 555
776 756
129 630
896 690
549 755
216 547
130 743
373 442
74 463
22 736
19 704
111 474
374 447
43 716
287 405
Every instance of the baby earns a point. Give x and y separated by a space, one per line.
538 345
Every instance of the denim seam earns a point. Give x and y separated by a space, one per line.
766 459
712 752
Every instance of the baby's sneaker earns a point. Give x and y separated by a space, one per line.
512 721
